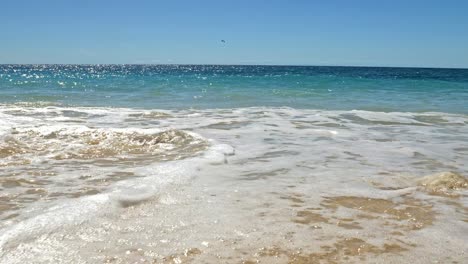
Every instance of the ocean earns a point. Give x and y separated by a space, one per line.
233 164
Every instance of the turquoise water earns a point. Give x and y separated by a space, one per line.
205 87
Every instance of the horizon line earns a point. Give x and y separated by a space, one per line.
220 64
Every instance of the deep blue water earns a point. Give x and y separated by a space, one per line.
204 86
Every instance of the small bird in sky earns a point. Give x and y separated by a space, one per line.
223 41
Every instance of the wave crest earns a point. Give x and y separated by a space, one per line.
68 143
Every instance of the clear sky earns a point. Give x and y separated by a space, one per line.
362 32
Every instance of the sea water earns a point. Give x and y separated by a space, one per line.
232 164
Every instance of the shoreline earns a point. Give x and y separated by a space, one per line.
282 185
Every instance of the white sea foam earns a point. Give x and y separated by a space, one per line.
278 178
124 193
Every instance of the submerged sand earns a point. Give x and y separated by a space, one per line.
254 185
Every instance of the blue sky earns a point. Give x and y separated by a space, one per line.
372 33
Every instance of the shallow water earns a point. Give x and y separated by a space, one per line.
297 185
82 182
